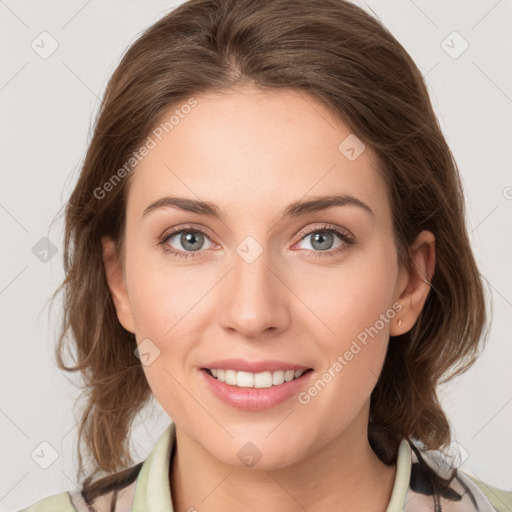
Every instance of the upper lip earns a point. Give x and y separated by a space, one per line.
241 365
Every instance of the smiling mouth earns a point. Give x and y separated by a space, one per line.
256 380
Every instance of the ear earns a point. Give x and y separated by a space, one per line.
413 285
116 283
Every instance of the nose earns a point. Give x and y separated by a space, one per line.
256 300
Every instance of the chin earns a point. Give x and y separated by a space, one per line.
256 454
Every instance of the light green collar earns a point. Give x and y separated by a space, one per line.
153 491
402 478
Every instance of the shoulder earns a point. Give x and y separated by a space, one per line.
60 502
117 492
434 476
500 499
118 499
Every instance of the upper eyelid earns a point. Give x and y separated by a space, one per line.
327 227
343 234
172 231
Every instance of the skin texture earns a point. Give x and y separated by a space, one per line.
252 153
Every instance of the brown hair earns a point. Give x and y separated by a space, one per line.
344 58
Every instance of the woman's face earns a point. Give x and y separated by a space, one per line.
266 283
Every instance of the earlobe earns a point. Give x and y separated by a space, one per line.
116 284
414 292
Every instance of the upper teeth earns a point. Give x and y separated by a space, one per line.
256 380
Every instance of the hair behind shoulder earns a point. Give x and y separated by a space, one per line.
336 53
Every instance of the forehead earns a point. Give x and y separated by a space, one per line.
254 150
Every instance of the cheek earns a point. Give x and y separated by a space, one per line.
354 308
166 303
162 323
160 294
351 297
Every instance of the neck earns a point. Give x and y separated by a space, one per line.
343 475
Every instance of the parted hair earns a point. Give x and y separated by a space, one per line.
343 57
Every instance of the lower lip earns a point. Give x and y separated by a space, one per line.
255 399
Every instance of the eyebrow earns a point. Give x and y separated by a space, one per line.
294 209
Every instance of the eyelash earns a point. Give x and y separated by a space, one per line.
344 236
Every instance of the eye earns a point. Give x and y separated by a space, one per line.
184 242
187 241
323 238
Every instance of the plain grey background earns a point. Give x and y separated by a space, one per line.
56 60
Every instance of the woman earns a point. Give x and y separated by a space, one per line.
329 285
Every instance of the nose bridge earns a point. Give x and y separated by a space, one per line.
255 298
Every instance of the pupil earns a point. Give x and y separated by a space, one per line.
190 238
322 236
